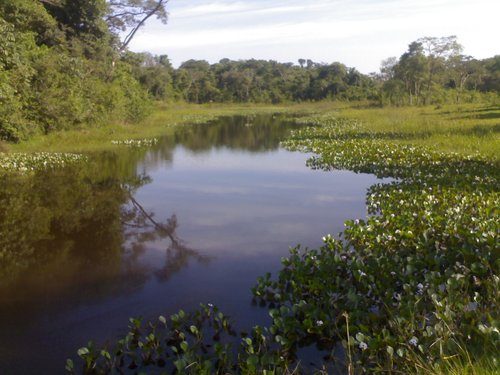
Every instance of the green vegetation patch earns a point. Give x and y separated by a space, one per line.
413 285
201 342
137 142
25 163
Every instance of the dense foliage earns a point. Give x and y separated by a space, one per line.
432 71
417 281
59 69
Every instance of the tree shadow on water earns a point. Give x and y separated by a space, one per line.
143 228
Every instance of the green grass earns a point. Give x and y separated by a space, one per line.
462 365
161 122
465 128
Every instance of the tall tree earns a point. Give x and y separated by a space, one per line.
439 52
411 70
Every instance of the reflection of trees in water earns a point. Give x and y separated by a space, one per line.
247 133
259 133
144 228
65 232
64 229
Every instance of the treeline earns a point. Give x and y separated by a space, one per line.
249 80
432 71
63 64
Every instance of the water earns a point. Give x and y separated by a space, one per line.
145 232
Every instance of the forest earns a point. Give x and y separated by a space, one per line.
65 64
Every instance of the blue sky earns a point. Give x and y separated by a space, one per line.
358 33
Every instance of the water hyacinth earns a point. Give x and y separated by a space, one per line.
413 341
422 269
146 142
25 163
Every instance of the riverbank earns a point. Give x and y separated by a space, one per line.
161 122
466 128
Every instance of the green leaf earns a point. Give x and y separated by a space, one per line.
69 365
252 361
184 346
193 330
82 351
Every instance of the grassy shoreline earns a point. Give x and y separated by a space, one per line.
162 121
465 128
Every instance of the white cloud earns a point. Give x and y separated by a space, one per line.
357 33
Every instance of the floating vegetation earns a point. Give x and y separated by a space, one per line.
186 343
372 153
25 163
418 280
146 142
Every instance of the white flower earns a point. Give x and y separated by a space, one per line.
413 341
319 323
363 346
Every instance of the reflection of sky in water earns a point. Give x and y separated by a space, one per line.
240 209
244 210
236 204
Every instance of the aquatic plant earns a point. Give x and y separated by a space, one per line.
146 142
418 279
25 163
189 343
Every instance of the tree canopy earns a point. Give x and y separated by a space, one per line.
434 70
57 68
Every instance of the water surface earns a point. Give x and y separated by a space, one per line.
143 232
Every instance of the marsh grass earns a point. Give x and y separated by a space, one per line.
462 364
160 123
465 129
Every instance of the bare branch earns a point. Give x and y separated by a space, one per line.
131 15
128 38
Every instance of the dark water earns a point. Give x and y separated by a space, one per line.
143 232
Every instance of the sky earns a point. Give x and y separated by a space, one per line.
357 33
